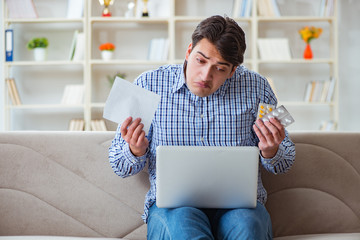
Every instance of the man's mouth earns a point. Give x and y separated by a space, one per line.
202 84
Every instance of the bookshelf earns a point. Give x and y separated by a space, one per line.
41 84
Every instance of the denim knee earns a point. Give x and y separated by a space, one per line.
244 224
178 223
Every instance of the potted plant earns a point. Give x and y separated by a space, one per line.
39 46
111 79
307 34
107 50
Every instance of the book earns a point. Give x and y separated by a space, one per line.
73 45
73 94
330 93
242 8
275 8
272 85
76 125
13 92
328 125
9 45
268 8
326 8
21 9
319 91
79 47
158 49
98 125
75 9
236 9
322 8
274 48
246 8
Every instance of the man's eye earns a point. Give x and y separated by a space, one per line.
199 60
220 69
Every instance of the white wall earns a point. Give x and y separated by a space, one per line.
349 67
2 54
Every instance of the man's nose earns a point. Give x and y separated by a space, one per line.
206 74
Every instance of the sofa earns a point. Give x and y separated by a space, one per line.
59 185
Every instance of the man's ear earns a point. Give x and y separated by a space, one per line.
188 51
232 71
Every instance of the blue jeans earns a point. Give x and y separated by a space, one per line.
193 223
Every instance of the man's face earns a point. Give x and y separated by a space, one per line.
206 70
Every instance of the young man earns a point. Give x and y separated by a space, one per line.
210 100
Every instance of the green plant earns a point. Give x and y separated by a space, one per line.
112 78
37 43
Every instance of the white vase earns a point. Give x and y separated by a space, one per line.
40 54
106 54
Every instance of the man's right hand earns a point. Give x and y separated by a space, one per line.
132 132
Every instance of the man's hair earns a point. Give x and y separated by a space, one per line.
225 34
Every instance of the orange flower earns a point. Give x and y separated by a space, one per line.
107 46
309 33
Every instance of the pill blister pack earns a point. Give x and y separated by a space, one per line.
264 109
280 113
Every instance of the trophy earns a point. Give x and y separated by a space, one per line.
145 12
106 12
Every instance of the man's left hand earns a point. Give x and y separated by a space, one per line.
271 134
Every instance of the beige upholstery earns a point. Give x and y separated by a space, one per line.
321 193
61 184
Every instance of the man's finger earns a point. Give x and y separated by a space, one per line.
125 125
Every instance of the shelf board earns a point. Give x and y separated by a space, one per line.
98 105
199 19
125 62
43 20
306 104
299 60
45 106
42 63
296 19
129 20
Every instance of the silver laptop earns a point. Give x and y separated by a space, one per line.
206 177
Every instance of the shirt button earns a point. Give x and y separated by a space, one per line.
202 139
201 115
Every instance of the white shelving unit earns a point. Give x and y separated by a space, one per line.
132 37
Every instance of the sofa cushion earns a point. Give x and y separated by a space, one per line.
320 194
53 238
332 236
61 183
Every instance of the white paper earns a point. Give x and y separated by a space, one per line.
129 100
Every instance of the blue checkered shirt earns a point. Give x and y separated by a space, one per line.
224 118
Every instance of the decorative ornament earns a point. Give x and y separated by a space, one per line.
106 12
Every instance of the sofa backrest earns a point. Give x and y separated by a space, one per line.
61 183
321 192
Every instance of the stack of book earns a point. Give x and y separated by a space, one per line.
77 46
75 9
76 125
73 94
326 8
98 125
242 8
328 126
268 8
320 91
13 92
274 49
158 49
21 9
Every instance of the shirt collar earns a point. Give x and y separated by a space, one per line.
180 79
